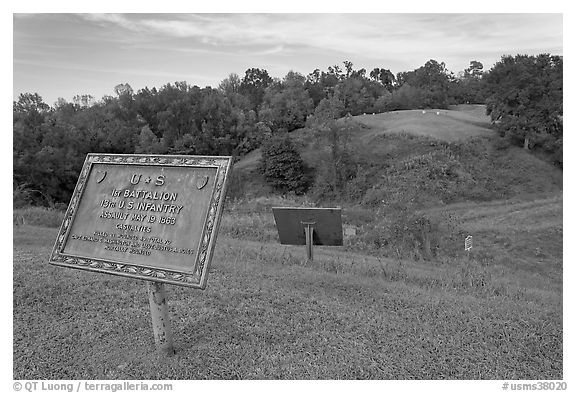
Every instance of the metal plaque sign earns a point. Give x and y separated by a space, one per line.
153 217
291 222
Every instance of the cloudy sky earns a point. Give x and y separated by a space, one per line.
62 55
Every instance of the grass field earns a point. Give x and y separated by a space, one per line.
443 124
349 315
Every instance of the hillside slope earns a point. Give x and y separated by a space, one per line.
457 124
424 159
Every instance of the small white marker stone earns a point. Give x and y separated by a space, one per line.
468 243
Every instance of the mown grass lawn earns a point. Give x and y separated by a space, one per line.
443 124
264 316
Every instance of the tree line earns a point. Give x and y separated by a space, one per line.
523 95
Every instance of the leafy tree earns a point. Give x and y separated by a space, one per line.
314 87
148 103
468 86
525 99
283 167
230 87
474 71
178 112
384 76
407 97
50 144
336 165
218 129
30 111
84 100
123 89
433 80
254 85
383 103
327 112
148 143
249 131
358 94
321 85
349 68
354 89
28 103
29 114
47 159
336 71
287 104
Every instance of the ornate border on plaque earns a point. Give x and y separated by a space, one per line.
196 279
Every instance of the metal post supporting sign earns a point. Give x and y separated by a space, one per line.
309 233
160 318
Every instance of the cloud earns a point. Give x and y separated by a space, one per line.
363 35
171 45
94 69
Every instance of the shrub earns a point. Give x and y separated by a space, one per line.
416 233
21 196
283 167
39 216
398 231
334 176
236 186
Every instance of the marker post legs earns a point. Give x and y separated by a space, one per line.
309 233
160 318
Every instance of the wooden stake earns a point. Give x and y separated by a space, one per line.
160 318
